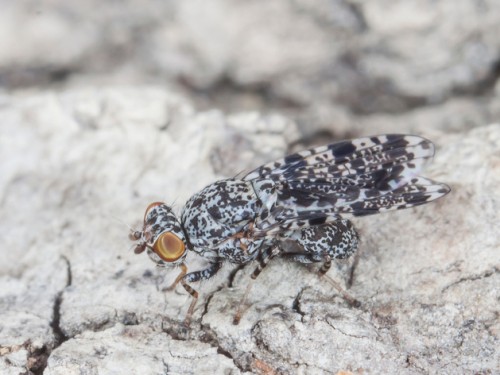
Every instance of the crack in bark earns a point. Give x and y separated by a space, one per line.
296 304
345 333
484 275
211 339
209 336
38 357
165 366
59 335
176 330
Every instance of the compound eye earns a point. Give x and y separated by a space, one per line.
150 207
169 247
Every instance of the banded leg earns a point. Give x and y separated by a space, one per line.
177 279
264 258
325 267
192 277
349 299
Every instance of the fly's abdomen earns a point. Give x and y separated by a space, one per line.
338 239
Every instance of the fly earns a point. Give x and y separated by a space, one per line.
293 208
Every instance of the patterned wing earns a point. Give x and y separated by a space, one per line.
359 161
361 177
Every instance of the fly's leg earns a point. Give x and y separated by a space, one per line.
325 267
350 299
177 279
322 243
263 259
194 294
322 274
184 278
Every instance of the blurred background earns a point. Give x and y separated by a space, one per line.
339 68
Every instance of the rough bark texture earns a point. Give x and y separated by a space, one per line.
79 165
87 141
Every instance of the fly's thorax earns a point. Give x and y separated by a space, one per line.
162 236
218 212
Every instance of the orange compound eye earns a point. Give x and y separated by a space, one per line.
169 247
150 207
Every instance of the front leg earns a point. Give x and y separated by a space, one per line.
184 278
177 279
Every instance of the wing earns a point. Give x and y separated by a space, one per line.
352 160
360 177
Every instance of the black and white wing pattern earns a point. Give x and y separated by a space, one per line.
362 176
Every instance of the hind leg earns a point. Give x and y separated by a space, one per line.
322 243
303 258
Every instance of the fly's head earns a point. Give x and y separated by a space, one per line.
161 235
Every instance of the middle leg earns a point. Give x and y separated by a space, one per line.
264 258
